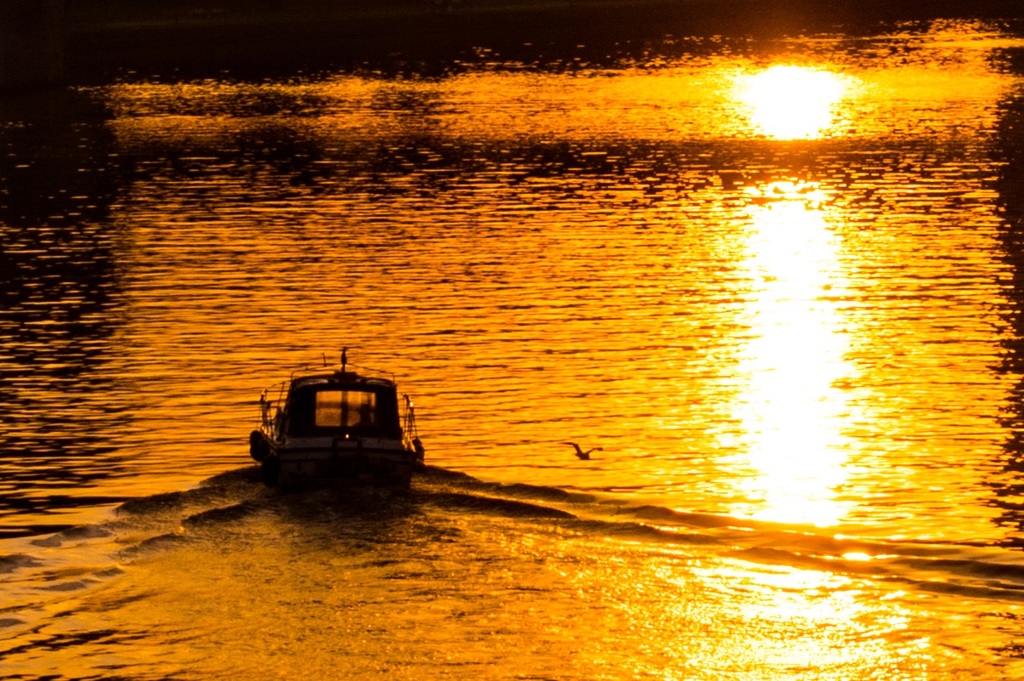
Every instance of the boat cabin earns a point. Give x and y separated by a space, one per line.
341 404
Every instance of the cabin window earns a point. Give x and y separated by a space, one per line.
345 408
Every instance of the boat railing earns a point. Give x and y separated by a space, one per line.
410 435
270 405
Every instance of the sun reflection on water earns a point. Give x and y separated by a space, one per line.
792 409
792 102
820 613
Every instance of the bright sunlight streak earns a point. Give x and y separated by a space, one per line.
791 411
792 102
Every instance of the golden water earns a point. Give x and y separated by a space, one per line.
775 283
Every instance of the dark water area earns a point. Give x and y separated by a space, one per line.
774 275
428 38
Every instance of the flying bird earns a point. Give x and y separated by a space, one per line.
583 454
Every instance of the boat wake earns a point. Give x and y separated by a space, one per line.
184 565
235 509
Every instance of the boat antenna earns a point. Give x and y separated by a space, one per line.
344 359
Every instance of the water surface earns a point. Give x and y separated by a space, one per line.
775 281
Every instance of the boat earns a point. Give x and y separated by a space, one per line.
329 424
